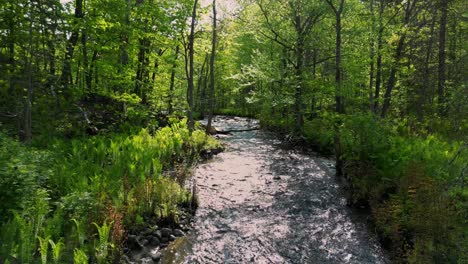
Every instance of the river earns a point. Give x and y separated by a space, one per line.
263 203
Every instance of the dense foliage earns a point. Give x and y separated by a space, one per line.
94 89
81 195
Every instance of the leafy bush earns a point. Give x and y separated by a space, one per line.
414 186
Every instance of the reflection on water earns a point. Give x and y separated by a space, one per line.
260 203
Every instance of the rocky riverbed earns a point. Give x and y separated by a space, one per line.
262 203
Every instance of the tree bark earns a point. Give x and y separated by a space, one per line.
339 104
191 123
212 70
66 77
442 56
410 6
378 77
372 58
171 86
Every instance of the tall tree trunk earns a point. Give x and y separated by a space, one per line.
298 113
442 56
339 104
372 57
87 74
392 76
125 39
66 77
199 86
410 7
378 77
212 70
28 100
191 123
171 86
422 99
204 88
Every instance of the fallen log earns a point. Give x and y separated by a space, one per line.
227 132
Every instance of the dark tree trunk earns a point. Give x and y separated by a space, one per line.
86 69
422 97
191 123
339 104
171 87
298 115
372 58
442 56
392 76
212 70
66 77
378 77
409 8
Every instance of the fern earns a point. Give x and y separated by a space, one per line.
102 249
43 248
56 250
80 257
79 232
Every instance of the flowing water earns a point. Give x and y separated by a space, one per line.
261 203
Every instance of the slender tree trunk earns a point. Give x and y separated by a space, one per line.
422 97
339 104
125 39
212 70
171 87
392 76
204 87
191 123
28 100
298 115
66 77
378 77
410 6
87 74
442 57
199 86
372 58
11 56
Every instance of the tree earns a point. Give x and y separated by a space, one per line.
190 63
339 103
212 70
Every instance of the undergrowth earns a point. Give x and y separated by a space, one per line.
75 201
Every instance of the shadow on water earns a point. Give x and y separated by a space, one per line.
261 203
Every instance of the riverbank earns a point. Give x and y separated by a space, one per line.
80 199
409 183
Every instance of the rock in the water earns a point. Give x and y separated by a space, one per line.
164 240
156 256
276 177
143 242
157 234
147 232
133 242
126 260
154 242
146 261
172 238
166 232
178 233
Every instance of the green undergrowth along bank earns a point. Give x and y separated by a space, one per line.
75 202
414 185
